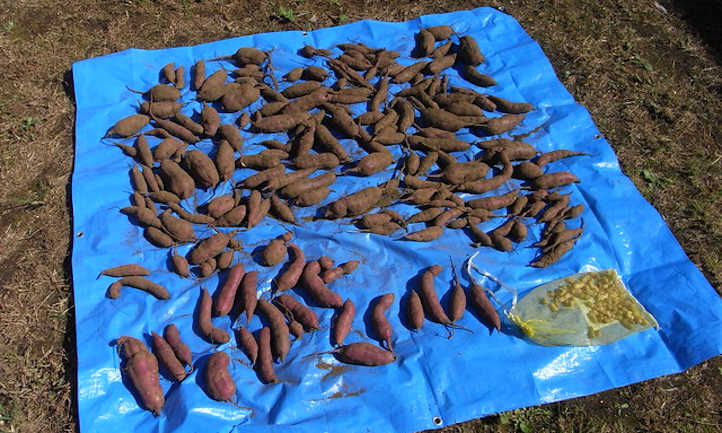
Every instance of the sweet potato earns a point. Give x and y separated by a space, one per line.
223 301
556 155
342 323
128 126
217 378
289 278
297 311
141 369
264 361
307 102
281 210
220 205
469 52
232 218
315 73
125 271
165 149
248 294
574 211
176 129
180 230
354 204
341 121
369 117
472 75
527 171
440 32
199 74
372 163
379 322
299 187
207 248
432 307
500 125
316 289
518 231
407 74
180 78
162 109
180 349
213 87
363 354
249 56
442 119
177 180
280 122
300 89
506 106
382 90
237 96
406 114
554 254
243 120
263 176
457 303
426 235
167 358
330 275
439 64
482 306
140 283
447 216
208 267
494 202
500 242
554 180
280 339
274 253
209 332
202 168
247 343
322 161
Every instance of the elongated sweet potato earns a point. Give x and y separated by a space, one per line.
247 343
223 301
208 247
125 271
180 349
297 311
248 298
469 52
482 306
364 354
167 358
426 235
177 180
290 277
264 361
128 126
280 337
140 283
379 322
209 332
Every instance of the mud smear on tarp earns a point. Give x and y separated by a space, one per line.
333 370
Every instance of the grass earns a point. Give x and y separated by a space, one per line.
650 80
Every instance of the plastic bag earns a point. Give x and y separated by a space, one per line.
584 309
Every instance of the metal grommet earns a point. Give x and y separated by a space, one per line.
79 234
437 420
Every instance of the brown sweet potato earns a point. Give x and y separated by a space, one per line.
494 202
432 307
177 180
180 78
457 303
407 74
208 247
506 106
128 126
469 52
125 271
439 64
162 109
213 86
472 75
299 187
220 205
141 369
180 230
554 180
372 163
274 253
355 204
217 378
440 32
158 238
199 74
138 282
500 125
237 96
232 218
426 235
280 122
320 161
202 168
263 176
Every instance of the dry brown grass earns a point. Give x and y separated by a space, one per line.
650 83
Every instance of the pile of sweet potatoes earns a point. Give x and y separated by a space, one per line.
408 130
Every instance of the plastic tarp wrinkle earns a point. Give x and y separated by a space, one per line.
435 381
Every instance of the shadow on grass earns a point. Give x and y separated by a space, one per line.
704 16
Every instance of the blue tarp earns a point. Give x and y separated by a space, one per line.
436 381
